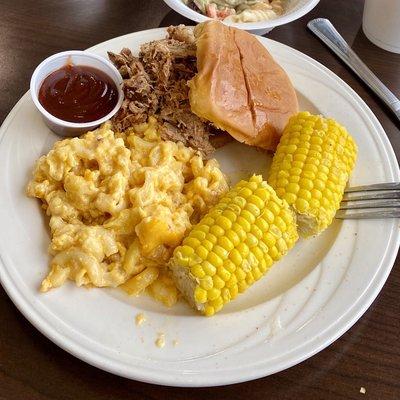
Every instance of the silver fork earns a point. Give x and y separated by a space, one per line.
377 201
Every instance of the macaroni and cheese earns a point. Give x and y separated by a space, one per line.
119 203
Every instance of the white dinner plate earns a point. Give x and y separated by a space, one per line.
310 298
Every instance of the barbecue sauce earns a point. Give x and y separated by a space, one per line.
78 93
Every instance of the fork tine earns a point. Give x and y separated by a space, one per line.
369 213
371 195
377 186
362 204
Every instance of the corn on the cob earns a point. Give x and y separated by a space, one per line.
311 167
233 245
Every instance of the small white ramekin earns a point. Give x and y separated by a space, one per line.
295 10
77 57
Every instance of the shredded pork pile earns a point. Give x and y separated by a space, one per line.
155 83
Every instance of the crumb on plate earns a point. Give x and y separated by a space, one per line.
160 341
140 319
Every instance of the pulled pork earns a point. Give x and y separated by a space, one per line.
155 83
140 99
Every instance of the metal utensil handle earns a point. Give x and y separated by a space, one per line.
325 31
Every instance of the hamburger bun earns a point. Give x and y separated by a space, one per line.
239 87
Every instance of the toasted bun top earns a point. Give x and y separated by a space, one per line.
239 87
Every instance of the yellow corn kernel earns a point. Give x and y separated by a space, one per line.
258 253
235 257
244 224
202 252
223 222
186 251
268 215
240 274
206 282
304 194
211 238
250 278
232 281
245 192
234 291
200 295
198 271
280 224
229 266
213 293
274 253
217 230
199 235
240 232
268 260
233 237
257 274
251 212
217 303
262 224
243 249
315 151
202 228
257 201
251 240
262 266
208 221
226 295
274 207
301 205
207 244
223 273
208 268
214 259
262 194
289 197
225 243
281 245
218 282
209 311
269 239
220 251
263 247
238 201
242 286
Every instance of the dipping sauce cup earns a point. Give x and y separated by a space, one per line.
76 58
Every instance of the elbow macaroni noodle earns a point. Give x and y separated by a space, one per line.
119 203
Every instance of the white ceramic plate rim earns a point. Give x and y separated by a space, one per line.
315 344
